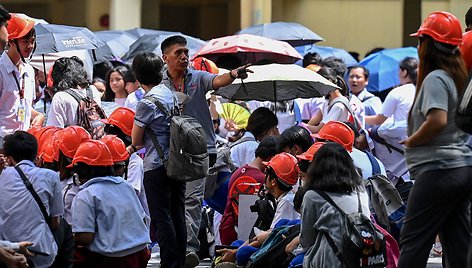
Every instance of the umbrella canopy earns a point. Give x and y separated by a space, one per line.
293 33
138 32
51 38
326 52
152 43
383 67
36 21
277 82
249 49
117 44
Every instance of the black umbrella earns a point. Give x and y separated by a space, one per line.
117 44
293 33
151 43
51 38
138 32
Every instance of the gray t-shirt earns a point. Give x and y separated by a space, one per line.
448 149
197 84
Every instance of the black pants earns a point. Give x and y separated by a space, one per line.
165 198
439 202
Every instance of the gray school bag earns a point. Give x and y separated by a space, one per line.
188 154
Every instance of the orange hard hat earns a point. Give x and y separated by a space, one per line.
466 49
285 167
310 153
49 80
71 138
204 64
443 27
34 130
92 153
18 26
44 134
123 118
338 132
117 148
49 150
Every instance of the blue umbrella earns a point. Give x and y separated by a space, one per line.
326 52
152 43
117 44
293 33
383 67
138 32
51 38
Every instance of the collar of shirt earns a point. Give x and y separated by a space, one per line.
363 94
116 180
10 67
25 162
280 197
165 76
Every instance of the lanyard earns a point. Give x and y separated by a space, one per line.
21 89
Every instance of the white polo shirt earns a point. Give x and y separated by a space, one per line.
398 102
63 111
10 101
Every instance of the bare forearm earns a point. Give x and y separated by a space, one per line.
375 120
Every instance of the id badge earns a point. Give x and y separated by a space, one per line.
21 114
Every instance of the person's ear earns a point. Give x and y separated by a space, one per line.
164 58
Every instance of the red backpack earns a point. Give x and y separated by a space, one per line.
242 185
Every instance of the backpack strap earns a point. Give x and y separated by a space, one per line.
346 104
35 195
154 140
374 163
74 94
373 133
367 98
241 140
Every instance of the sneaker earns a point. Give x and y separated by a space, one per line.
226 265
191 260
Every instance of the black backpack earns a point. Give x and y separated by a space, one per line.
188 154
363 245
464 110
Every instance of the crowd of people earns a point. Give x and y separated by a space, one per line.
83 184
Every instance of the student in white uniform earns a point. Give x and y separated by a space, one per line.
69 73
109 224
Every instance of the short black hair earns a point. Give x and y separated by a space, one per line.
410 65
366 71
170 41
468 18
268 147
20 146
312 58
4 16
147 68
336 64
261 121
88 172
295 135
129 77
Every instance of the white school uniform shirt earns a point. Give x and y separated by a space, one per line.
398 102
69 191
337 112
361 161
109 208
285 209
9 95
244 152
20 216
133 99
63 111
135 177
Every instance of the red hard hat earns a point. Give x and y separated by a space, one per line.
49 80
123 118
49 150
204 64
34 130
285 167
44 134
71 138
92 153
18 26
117 148
466 49
310 153
443 27
338 132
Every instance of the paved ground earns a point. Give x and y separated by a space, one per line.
154 263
